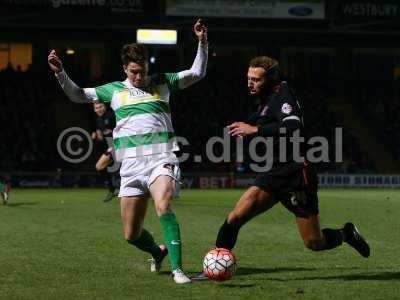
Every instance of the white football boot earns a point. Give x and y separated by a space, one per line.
180 277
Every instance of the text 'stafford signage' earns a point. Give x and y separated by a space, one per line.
369 9
247 9
340 180
329 180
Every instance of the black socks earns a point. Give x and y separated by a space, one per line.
227 236
333 237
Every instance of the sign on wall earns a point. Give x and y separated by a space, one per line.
247 9
385 9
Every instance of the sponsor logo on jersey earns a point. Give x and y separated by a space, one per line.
137 92
286 108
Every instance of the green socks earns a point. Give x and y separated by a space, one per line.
172 237
147 244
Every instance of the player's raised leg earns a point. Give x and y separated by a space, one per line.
133 212
253 202
316 239
162 191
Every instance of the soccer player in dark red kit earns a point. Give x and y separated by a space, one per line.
291 182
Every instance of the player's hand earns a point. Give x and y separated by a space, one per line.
200 30
241 129
54 62
94 136
99 135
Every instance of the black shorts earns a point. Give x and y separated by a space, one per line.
295 185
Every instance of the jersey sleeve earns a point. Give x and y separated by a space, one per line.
285 107
172 81
286 113
104 93
184 79
73 91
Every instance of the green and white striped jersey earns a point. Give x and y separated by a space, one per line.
143 116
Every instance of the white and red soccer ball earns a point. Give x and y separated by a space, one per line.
219 264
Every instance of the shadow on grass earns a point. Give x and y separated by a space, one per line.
164 273
246 271
17 204
237 285
243 271
384 276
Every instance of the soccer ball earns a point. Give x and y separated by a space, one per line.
219 264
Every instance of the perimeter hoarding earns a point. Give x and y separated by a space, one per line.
247 9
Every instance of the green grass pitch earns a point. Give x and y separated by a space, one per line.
67 244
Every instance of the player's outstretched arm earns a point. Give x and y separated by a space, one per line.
198 69
74 92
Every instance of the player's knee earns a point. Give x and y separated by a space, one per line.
162 205
162 208
314 244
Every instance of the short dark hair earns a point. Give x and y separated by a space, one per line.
136 53
265 62
271 67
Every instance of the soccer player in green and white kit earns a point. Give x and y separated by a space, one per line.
5 189
144 143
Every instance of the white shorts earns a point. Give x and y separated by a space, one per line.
138 173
